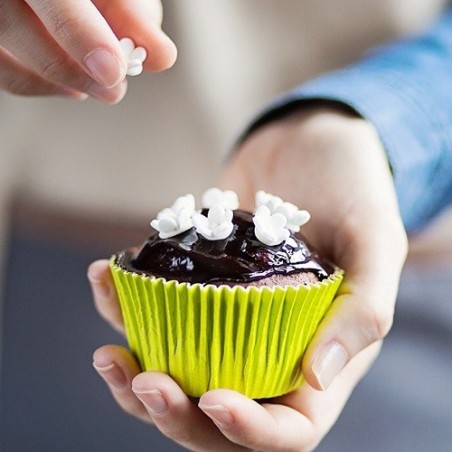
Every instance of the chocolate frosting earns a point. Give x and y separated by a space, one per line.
240 258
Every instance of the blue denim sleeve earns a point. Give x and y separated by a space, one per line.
405 90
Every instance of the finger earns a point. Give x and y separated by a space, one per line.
323 408
363 311
176 415
141 21
104 294
22 35
17 79
117 368
296 421
254 426
79 28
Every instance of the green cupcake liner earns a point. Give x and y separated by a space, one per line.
250 339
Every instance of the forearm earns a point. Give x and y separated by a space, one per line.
405 90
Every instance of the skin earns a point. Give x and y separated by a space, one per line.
332 164
322 159
45 45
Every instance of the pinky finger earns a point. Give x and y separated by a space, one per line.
18 79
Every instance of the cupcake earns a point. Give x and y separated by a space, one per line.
223 298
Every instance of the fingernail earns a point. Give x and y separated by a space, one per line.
328 363
153 400
219 414
112 374
105 68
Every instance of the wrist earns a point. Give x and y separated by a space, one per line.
318 119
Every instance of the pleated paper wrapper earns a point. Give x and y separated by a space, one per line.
205 337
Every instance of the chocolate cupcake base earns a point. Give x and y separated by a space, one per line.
249 339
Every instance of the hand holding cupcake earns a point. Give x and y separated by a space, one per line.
223 298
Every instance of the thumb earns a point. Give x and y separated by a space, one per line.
363 311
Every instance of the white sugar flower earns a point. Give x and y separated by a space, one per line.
217 225
295 217
270 229
135 56
171 223
227 198
186 202
268 200
175 219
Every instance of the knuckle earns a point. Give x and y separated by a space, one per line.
378 322
61 69
64 26
62 22
53 69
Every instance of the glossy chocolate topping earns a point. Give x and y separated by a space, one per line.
241 258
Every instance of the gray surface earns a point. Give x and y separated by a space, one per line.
53 400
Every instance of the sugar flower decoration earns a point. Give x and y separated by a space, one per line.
169 226
175 219
270 229
217 225
266 199
214 196
135 56
295 217
186 202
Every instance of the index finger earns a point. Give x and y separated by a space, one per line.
81 30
